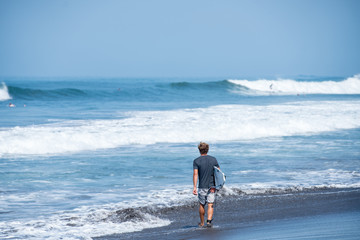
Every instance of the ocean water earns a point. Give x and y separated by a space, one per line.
79 156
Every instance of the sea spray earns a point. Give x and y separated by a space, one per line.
4 93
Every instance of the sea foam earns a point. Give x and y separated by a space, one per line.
86 222
93 222
4 93
216 123
288 86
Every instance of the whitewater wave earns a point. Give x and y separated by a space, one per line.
4 93
217 123
288 86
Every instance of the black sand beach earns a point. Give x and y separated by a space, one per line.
315 214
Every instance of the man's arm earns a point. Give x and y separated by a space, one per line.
195 178
217 164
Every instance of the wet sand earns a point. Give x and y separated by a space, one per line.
309 215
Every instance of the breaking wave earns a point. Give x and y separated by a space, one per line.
288 86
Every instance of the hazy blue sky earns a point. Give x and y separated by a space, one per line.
181 38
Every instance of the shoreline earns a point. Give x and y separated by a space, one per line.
234 214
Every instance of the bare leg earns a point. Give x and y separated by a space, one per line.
210 211
202 214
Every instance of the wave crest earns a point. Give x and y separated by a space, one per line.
28 93
292 87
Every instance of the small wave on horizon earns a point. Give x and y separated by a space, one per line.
202 85
29 93
350 85
4 92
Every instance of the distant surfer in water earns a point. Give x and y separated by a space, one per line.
204 172
11 105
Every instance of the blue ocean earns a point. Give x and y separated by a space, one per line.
78 156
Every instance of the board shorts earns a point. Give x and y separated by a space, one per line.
206 196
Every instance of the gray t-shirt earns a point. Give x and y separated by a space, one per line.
205 166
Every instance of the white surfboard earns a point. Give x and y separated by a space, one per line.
220 178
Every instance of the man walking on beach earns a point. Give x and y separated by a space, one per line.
204 171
